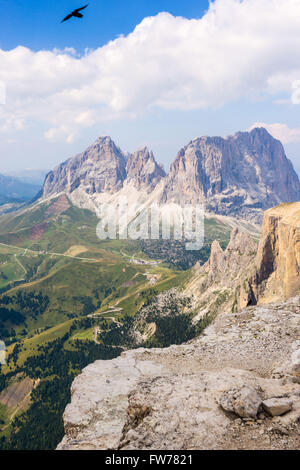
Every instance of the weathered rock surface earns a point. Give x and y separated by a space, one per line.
277 406
219 285
246 273
143 170
104 168
170 398
101 168
242 175
244 402
278 258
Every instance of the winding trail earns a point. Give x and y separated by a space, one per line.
49 253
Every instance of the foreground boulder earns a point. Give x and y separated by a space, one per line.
245 402
202 395
277 406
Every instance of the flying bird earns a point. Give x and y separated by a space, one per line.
76 13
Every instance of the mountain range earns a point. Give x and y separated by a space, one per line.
14 190
68 299
240 176
29 176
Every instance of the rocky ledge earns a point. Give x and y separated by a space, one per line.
235 387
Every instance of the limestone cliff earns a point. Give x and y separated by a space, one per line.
278 258
143 170
100 168
242 175
246 274
218 285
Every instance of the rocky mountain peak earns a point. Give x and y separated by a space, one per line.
216 259
143 169
226 266
241 175
248 273
241 243
103 168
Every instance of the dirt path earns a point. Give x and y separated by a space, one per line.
97 330
50 253
20 264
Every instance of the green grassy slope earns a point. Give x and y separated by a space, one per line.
58 285
57 280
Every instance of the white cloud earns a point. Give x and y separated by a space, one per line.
282 132
2 93
246 48
296 92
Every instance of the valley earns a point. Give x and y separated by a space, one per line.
149 228
58 287
68 298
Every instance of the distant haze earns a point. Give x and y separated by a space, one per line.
29 176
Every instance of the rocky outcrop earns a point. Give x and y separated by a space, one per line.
143 170
227 389
237 386
220 285
246 274
278 259
240 176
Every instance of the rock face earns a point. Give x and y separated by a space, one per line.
240 176
101 168
104 168
278 259
217 392
219 285
246 273
244 402
143 170
237 386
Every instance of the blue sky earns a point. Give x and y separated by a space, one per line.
36 24
198 69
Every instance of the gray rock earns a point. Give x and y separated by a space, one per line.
277 406
241 175
244 402
103 169
295 362
170 398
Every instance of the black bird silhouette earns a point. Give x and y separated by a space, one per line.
76 13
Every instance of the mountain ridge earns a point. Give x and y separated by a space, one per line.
13 190
241 176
